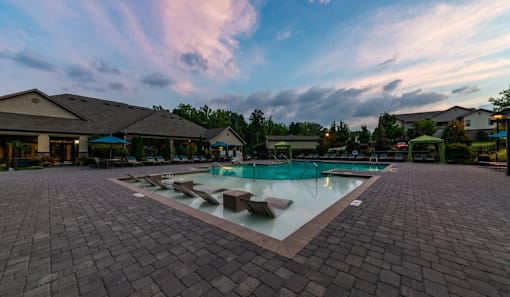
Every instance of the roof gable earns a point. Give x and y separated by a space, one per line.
227 135
452 113
35 103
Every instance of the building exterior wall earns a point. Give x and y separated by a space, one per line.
229 138
34 104
479 120
43 144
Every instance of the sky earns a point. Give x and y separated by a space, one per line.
296 60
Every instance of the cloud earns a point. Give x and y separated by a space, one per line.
392 85
116 86
157 80
80 72
323 2
389 103
29 59
103 67
466 90
387 62
193 61
283 34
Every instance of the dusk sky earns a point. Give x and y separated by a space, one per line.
297 61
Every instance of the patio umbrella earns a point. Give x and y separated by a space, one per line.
218 144
498 135
110 140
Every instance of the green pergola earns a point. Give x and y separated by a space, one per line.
426 139
283 144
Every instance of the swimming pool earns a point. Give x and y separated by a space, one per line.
310 197
291 170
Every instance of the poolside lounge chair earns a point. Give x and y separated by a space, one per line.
161 160
132 161
399 157
383 157
150 160
418 157
270 207
429 157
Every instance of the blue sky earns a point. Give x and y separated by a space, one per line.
295 60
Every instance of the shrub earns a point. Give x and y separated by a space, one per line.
458 153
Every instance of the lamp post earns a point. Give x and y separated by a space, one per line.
497 117
507 120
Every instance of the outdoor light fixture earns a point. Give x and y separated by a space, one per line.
497 117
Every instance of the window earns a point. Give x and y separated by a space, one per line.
467 123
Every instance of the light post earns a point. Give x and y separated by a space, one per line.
497 117
507 120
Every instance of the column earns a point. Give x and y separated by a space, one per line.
507 120
83 146
43 145
171 149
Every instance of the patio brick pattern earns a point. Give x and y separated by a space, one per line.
422 230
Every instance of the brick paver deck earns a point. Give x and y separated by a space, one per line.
422 230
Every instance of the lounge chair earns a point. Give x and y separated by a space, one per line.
150 181
360 157
418 157
161 160
185 190
270 207
196 159
399 157
374 157
150 160
158 182
383 157
429 157
132 161
135 178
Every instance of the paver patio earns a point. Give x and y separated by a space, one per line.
422 230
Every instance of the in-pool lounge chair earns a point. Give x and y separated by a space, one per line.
135 178
185 190
271 207
157 182
206 194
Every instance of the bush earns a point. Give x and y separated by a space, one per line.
102 150
458 153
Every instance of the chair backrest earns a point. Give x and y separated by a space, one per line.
260 207
207 197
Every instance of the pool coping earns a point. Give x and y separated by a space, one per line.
288 247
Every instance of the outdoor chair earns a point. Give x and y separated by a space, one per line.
185 190
135 178
383 157
132 161
418 157
150 160
157 182
271 207
429 157
399 157
206 194
161 160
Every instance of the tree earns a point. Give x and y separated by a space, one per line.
364 135
501 102
424 127
455 133
387 131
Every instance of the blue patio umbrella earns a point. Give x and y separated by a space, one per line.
498 135
218 144
110 140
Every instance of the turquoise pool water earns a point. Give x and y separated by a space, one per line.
290 170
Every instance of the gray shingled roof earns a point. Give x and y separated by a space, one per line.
105 117
164 123
452 113
291 138
413 117
32 123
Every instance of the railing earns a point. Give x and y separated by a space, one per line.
314 165
214 165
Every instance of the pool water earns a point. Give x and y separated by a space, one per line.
310 197
290 170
